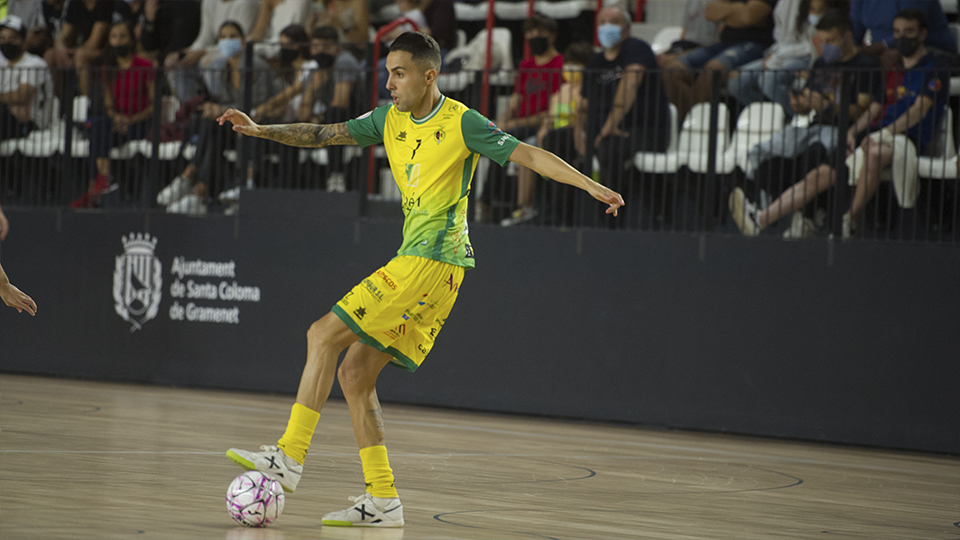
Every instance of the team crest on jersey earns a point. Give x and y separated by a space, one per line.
137 280
440 135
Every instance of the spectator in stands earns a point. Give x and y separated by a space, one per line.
81 40
351 18
841 69
273 18
26 90
538 78
327 95
556 134
213 14
877 16
127 87
624 108
794 26
697 32
183 195
296 65
746 31
168 26
916 92
31 13
42 35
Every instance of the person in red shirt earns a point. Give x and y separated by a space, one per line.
539 77
127 86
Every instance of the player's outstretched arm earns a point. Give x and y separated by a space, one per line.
549 165
304 135
14 297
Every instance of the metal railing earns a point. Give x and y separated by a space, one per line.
678 173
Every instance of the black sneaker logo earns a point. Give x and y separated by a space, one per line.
273 463
363 512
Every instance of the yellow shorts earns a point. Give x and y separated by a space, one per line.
401 307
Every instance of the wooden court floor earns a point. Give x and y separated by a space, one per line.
102 460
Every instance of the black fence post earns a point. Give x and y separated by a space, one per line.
841 199
243 156
710 183
152 183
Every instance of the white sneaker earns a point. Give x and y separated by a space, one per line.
230 195
271 462
849 227
369 511
188 204
336 182
520 215
177 189
800 227
744 213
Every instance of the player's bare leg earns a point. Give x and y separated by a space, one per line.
380 505
325 339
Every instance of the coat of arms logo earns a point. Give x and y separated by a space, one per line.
138 280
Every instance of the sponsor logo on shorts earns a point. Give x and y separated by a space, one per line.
454 286
359 313
387 279
377 293
397 332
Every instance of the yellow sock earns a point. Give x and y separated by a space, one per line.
296 440
377 472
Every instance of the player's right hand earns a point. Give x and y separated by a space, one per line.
241 122
16 299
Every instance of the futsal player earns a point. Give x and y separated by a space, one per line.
393 316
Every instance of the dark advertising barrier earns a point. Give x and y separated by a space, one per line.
850 342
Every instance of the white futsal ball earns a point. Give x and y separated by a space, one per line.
254 499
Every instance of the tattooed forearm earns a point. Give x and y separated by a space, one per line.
308 135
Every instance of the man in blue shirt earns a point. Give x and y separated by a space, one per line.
877 16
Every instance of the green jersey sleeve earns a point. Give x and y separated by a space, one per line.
367 129
484 137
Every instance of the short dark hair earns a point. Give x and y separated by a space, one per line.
835 20
423 49
296 33
326 33
913 14
578 53
539 21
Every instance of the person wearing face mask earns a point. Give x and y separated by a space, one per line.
26 89
127 86
538 78
877 16
623 107
842 68
226 87
917 90
769 78
328 93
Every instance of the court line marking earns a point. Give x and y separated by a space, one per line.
599 441
744 455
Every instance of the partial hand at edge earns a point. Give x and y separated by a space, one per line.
17 299
241 122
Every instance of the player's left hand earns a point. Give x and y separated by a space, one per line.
16 299
606 195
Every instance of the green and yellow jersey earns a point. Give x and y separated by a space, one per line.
433 160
